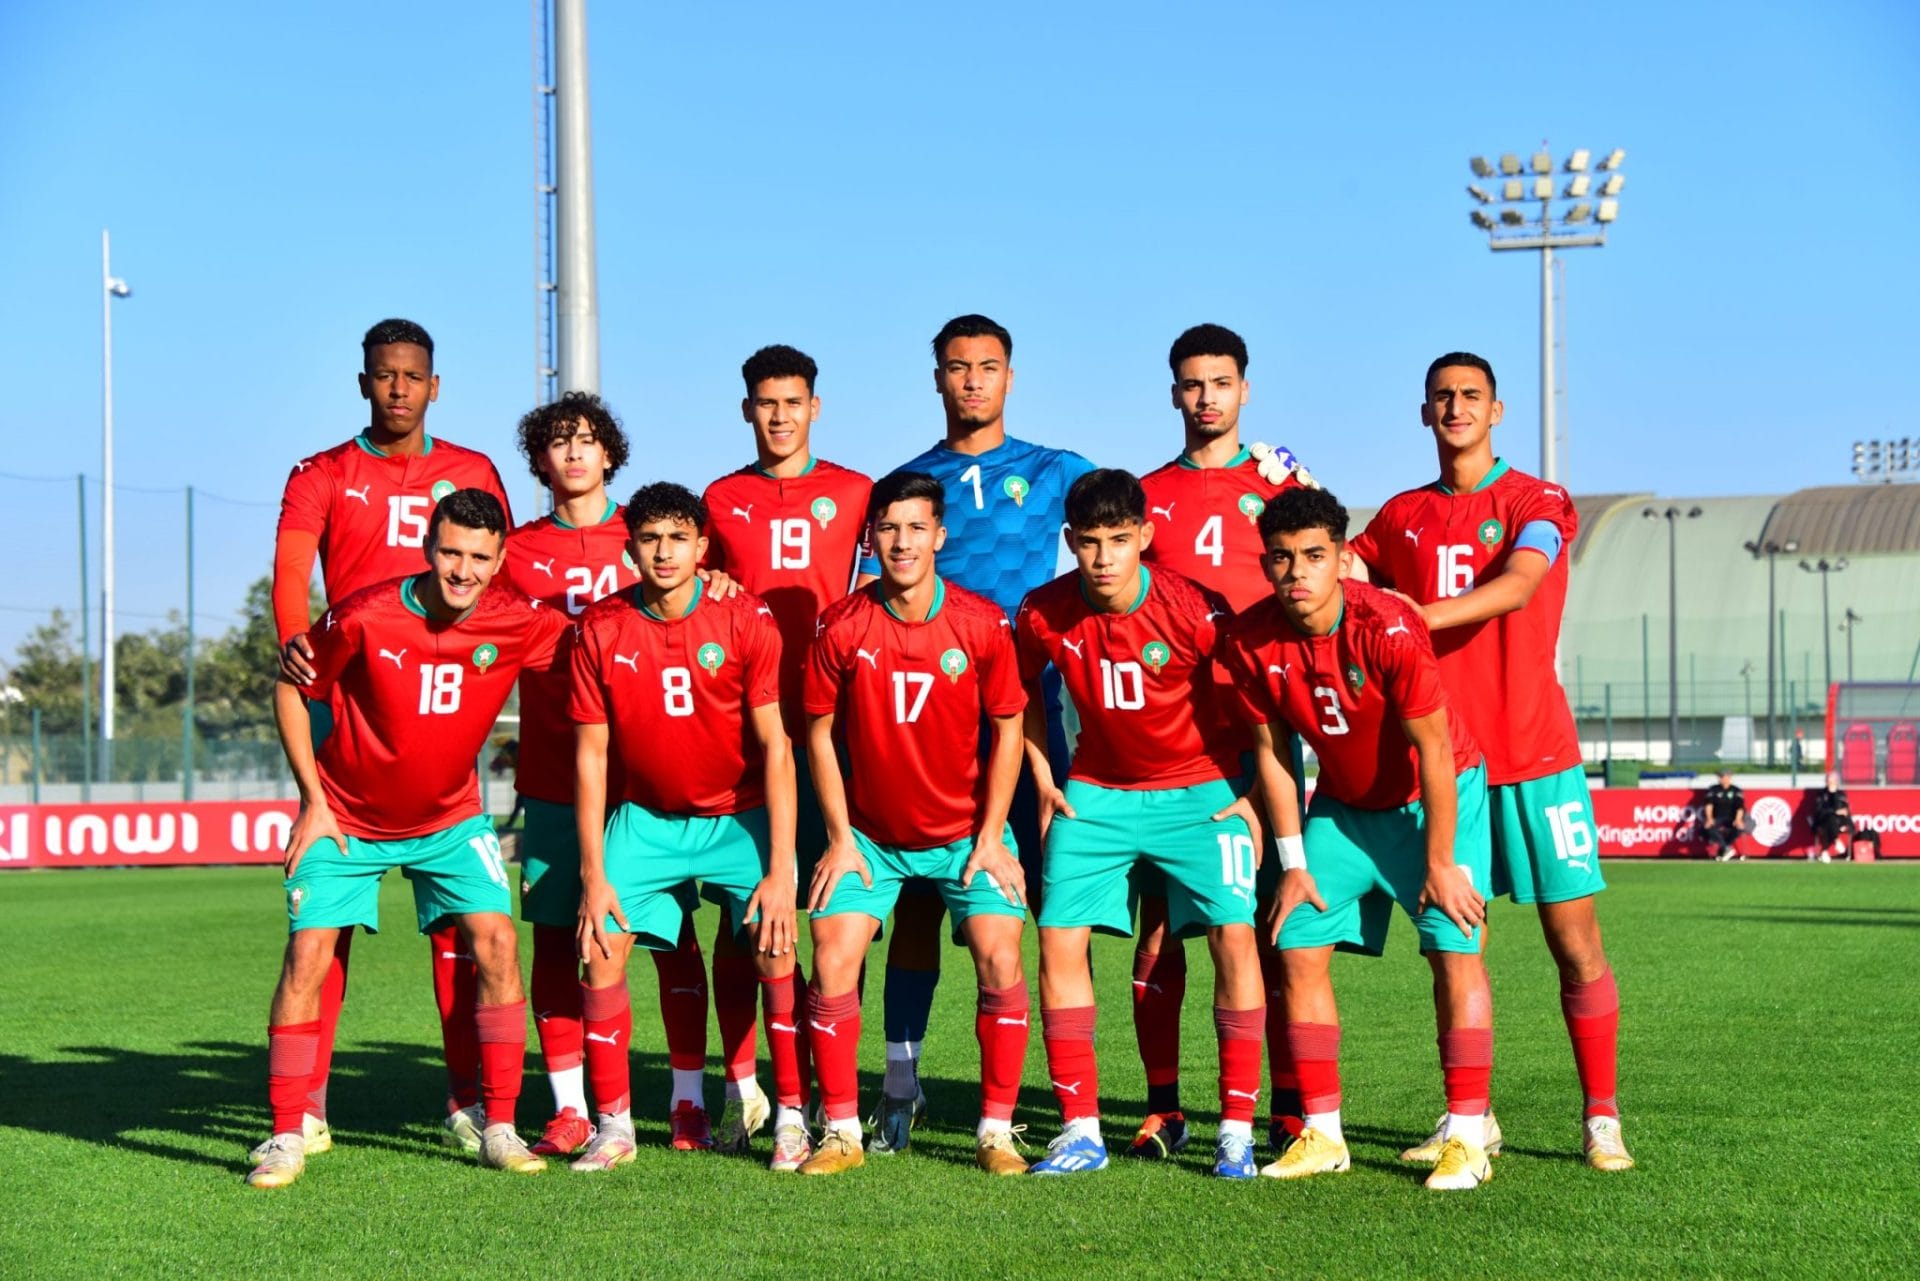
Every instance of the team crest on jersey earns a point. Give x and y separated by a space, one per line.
1491 531
441 488
1156 654
1251 505
1356 678
1016 488
954 664
485 656
295 897
824 509
710 656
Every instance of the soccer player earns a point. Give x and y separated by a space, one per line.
1203 506
1005 503
1484 552
685 687
1399 816
567 560
1136 651
362 508
786 527
905 669
417 669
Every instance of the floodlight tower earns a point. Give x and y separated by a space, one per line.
1594 204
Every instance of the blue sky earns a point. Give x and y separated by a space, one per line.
846 177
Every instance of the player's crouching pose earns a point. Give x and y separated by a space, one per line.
688 688
417 669
905 669
1400 815
1136 651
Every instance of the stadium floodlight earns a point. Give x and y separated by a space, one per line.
1881 462
1673 515
1481 221
1580 223
1479 193
1771 550
111 287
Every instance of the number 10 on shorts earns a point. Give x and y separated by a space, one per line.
1236 860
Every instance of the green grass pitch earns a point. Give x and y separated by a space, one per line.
1769 1072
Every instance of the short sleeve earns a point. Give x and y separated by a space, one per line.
545 628
1245 687
1029 646
1001 691
308 498
823 673
1411 674
335 639
586 700
762 679
1367 547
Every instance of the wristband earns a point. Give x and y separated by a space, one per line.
1293 853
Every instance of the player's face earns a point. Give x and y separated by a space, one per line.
667 552
575 463
1305 567
973 380
1460 408
399 383
1109 560
782 411
1208 392
464 561
905 537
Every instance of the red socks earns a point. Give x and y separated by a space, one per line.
683 1003
502 1032
1593 1022
1466 1061
608 1013
735 1002
1283 1101
1240 1032
783 1035
333 994
291 1049
1159 988
456 986
555 988
1070 1062
1002 1023
834 1028
1316 1059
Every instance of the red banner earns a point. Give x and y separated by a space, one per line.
1665 822
146 834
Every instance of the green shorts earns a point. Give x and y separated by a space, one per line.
891 866
1365 861
810 827
455 872
1150 882
549 865
1208 866
1544 846
655 860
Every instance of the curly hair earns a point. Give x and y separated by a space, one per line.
559 420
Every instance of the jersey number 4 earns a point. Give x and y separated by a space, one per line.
1209 542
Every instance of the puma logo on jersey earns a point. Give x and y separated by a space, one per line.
1400 628
1006 622
871 655
631 660
1279 669
1166 511
1215 613
1413 536
746 515
1075 646
826 1029
611 1038
361 494
302 465
545 566
1553 493
387 653
329 626
766 611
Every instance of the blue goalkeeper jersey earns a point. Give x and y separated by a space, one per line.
1005 510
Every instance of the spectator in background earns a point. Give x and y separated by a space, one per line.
1833 827
1724 819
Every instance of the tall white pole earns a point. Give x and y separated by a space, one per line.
578 358
1549 462
106 507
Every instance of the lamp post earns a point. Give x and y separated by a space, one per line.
1595 199
1825 568
1849 621
1771 549
111 287
1673 516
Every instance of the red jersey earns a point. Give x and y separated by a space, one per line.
1143 682
908 698
566 568
1346 693
414 701
1204 524
1432 543
677 696
794 543
369 509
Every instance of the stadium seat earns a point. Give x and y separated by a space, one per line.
1903 755
1856 756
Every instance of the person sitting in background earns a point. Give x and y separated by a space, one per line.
1723 818
1833 827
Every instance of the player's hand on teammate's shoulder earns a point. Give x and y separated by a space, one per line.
720 585
1450 888
1419 610
313 823
1296 887
840 857
991 857
598 900
296 661
772 901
